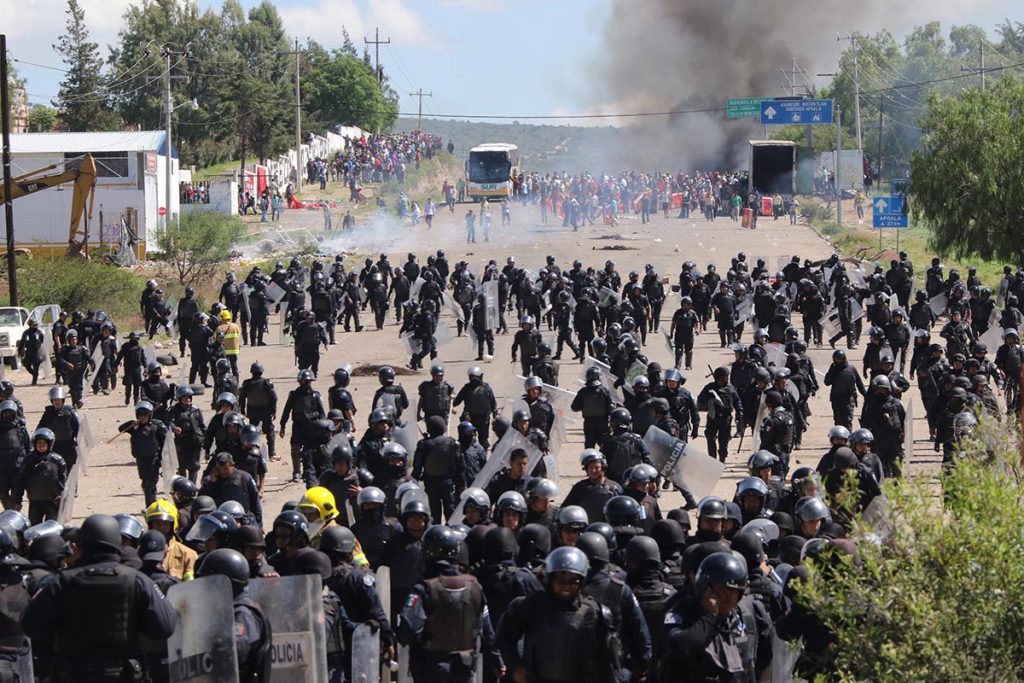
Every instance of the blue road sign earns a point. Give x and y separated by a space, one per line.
785 112
887 212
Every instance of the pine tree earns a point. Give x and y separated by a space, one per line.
83 102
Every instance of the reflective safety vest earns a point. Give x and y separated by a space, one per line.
232 338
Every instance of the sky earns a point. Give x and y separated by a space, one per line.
476 57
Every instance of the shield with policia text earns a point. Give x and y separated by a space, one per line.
294 607
683 463
202 647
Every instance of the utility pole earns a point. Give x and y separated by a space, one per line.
298 123
878 185
420 94
853 38
791 82
980 69
377 42
836 167
169 110
5 122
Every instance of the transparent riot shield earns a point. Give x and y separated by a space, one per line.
561 403
511 441
66 510
244 291
412 346
635 370
414 289
683 463
85 442
294 606
607 378
284 334
546 304
384 591
275 293
669 344
856 311
490 291
938 304
97 360
365 655
150 354
168 461
993 336
605 295
202 647
172 318
784 658
830 325
755 436
46 316
908 430
408 434
452 305
744 309
443 333
776 354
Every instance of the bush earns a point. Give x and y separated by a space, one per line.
939 596
198 243
78 285
815 213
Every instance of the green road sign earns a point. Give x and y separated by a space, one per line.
744 107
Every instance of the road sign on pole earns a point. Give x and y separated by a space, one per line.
888 213
785 112
744 107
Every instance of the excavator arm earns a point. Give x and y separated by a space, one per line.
84 180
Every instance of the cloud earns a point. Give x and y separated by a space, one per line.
477 5
306 20
398 21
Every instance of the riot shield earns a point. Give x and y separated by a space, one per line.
938 304
744 309
546 304
452 305
284 336
67 501
46 316
856 311
411 345
683 463
830 325
776 354
443 333
294 606
168 461
561 402
275 293
85 442
499 459
244 290
784 658
908 430
755 435
97 359
669 344
490 291
632 372
605 294
150 353
365 655
414 289
993 336
202 647
607 378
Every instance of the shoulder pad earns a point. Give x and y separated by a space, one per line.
316 394
55 457
369 580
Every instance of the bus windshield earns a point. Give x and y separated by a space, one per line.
489 167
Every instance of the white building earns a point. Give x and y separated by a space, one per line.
130 188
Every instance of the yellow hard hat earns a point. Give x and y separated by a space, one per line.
225 316
163 510
320 499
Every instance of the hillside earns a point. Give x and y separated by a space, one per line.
542 148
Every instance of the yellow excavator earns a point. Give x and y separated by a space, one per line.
84 179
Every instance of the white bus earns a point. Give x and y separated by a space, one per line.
490 169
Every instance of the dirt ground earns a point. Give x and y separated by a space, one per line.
112 485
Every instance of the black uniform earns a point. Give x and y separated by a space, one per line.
480 406
435 399
846 386
257 400
42 476
14 445
594 403
188 443
119 602
623 450
304 407
147 441
720 402
64 424
439 465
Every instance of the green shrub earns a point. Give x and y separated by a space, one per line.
939 594
199 243
831 229
79 285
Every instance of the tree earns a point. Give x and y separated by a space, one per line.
83 101
935 592
965 179
42 118
199 243
341 88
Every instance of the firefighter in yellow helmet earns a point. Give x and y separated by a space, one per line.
319 508
180 561
232 339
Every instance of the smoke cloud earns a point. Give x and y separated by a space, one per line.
694 54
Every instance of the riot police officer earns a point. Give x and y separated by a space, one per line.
777 432
435 395
257 400
119 603
846 386
480 403
186 421
594 491
147 442
304 407
594 402
622 448
439 465
444 616
720 400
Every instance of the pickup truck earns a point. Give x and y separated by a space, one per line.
13 322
